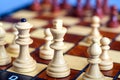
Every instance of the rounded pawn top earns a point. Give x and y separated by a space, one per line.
23 20
94 50
105 41
57 23
96 19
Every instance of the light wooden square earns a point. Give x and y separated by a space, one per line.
117 38
68 46
115 55
39 33
75 62
114 30
39 68
80 77
24 14
79 30
37 22
83 43
69 21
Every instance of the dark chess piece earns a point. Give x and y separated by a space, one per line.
55 6
106 9
48 2
78 10
113 22
98 11
35 6
65 5
87 5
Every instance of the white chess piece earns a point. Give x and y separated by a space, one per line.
13 48
46 52
4 58
93 71
95 30
58 68
24 62
106 61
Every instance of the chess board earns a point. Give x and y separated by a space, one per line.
75 53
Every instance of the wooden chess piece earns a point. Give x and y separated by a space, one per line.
65 5
106 9
46 5
24 62
13 48
78 10
113 22
46 52
95 30
58 68
55 7
98 10
35 6
87 5
106 61
4 58
93 71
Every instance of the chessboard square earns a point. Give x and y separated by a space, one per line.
68 46
9 37
24 14
115 55
83 43
37 22
79 30
15 55
75 62
108 29
80 77
117 38
7 25
40 67
69 21
39 33
73 38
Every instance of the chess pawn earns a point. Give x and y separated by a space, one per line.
106 61
98 11
24 62
35 6
4 58
93 71
113 21
95 30
13 48
46 52
58 68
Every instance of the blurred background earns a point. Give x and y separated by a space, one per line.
8 6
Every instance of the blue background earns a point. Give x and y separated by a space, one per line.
8 6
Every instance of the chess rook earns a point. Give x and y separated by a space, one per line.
24 62
106 61
93 71
46 52
58 68
4 58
